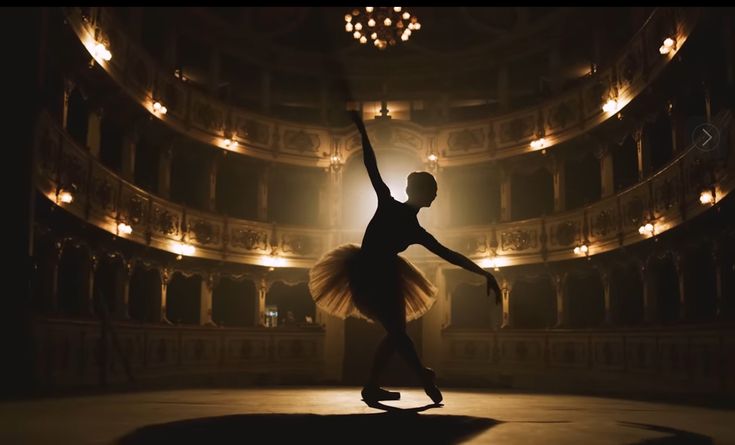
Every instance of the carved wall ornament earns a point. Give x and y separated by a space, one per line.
518 240
466 140
634 210
517 129
204 232
566 233
604 223
298 244
165 222
136 209
301 141
249 239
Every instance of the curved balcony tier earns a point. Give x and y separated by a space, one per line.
71 177
205 118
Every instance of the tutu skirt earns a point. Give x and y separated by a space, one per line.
345 282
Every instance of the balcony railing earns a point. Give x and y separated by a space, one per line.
100 197
211 121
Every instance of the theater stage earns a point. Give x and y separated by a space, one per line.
336 415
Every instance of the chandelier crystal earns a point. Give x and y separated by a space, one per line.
385 26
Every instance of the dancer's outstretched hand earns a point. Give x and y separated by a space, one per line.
492 285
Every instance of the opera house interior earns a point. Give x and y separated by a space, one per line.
182 169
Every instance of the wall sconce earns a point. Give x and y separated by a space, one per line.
64 197
611 106
124 229
335 162
668 46
539 143
582 249
707 197
647 229
159 108
181 248
492 262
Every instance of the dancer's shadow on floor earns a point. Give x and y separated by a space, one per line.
393 427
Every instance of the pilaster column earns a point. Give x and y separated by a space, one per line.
562 302
94 132
89 308
558 171
129 146
650 302
212 185
506 286
679 264
260 301
433 322
68 88
123 309
164 171
606 279
54 288
262 198
505 195
640 153
205 301
607 177
165 278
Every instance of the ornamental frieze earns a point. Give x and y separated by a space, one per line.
248 239
207 115
634 211
204 232
136 209
103 194
165 222
300 141
466 140
298 244
407 139
517 129
604 223
666 195
566 233
252 130
563 114
518 240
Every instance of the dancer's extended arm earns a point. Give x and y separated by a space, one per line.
368 156
462 261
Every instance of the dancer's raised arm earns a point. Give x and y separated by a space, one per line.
462 261
368 156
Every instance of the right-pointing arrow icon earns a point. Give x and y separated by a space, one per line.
709 137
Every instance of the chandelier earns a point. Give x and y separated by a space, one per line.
383 25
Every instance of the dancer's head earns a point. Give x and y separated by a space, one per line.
421 188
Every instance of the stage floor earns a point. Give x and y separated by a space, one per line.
337 415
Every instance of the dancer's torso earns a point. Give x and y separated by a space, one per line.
392 229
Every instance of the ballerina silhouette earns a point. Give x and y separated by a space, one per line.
372 281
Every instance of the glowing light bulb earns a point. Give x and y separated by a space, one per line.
432 157
369 8
406 15
706 197
348 27
66 197
124 228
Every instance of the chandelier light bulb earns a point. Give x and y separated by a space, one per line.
156 106
388 25
706 197
669 42
583 248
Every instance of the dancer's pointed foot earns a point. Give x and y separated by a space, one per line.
375 393
430 386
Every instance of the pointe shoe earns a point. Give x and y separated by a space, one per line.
375 394
430 386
